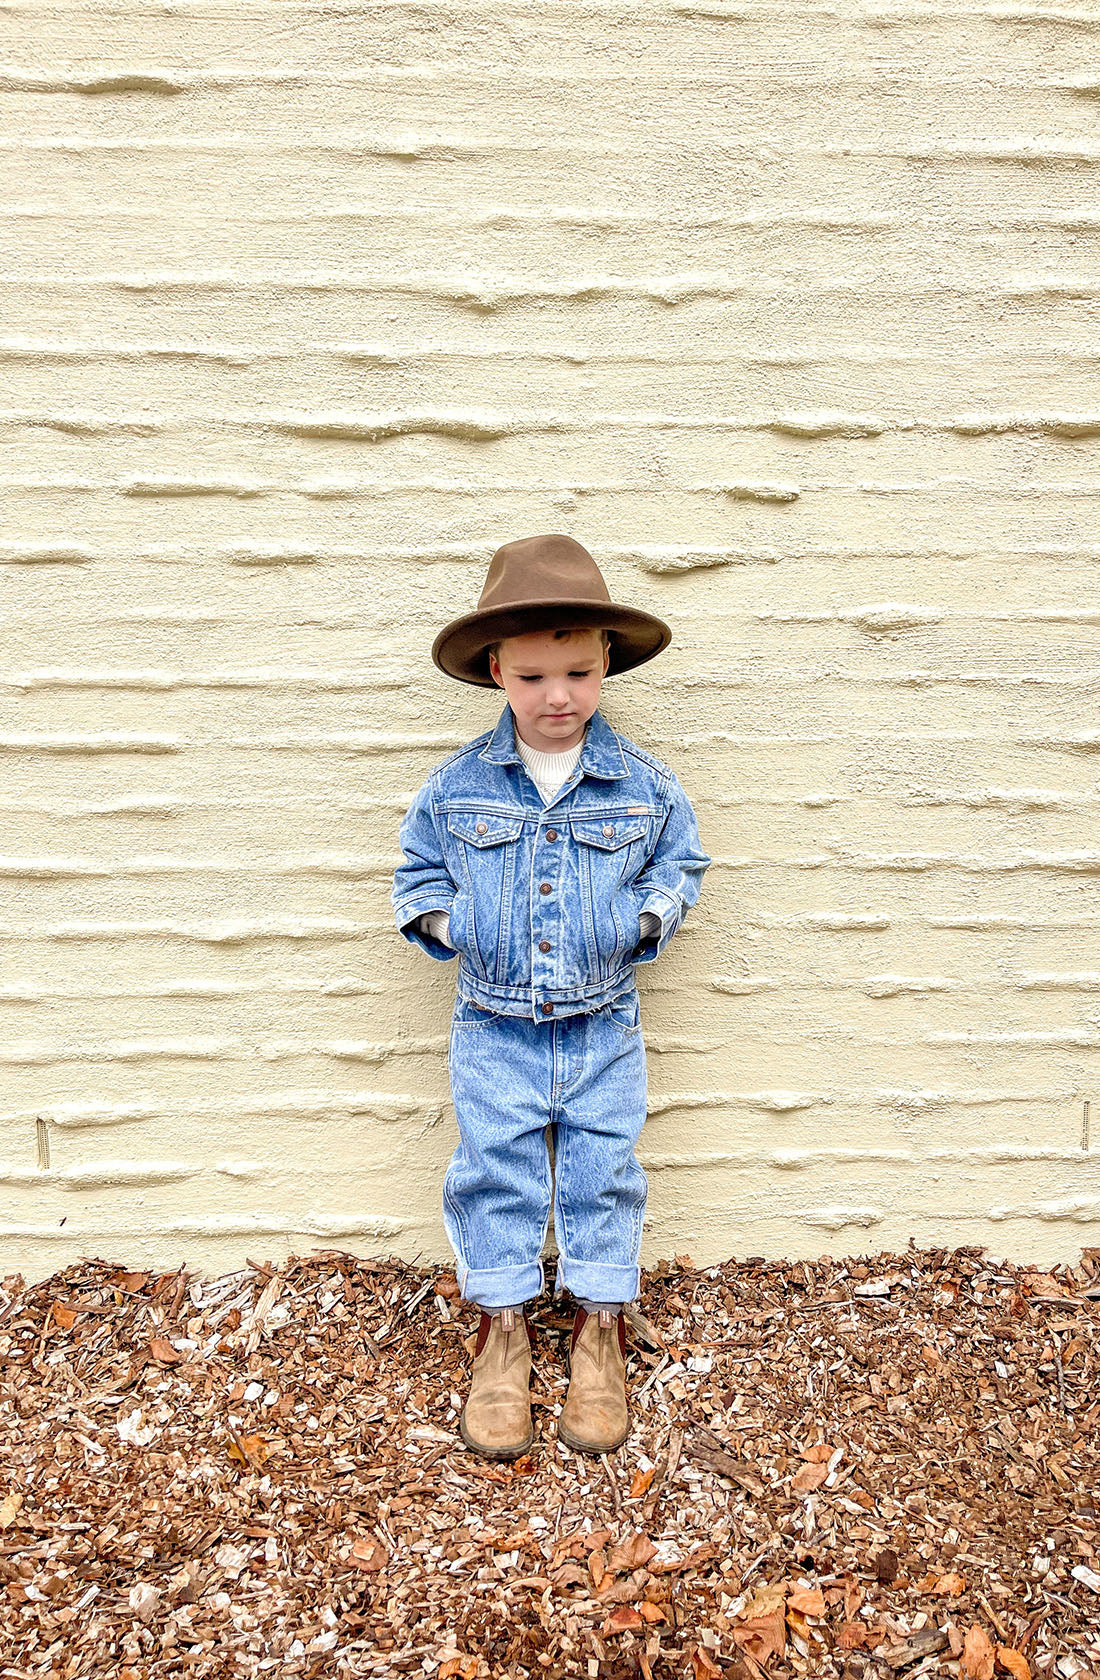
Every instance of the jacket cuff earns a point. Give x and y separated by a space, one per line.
407 916
669 911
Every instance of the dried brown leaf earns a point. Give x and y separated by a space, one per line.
819 1453
978 1654
163 1352
623 1620
459 1668
633 1552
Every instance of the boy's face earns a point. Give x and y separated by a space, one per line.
552 683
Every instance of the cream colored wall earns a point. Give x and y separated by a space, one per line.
787 312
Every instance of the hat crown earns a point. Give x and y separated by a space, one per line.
542 569
544 583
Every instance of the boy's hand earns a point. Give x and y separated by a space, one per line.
422 883
650 924
669 884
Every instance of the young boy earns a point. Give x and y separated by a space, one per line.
552 855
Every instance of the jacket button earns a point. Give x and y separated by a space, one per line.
608 831
544 944
544 887
548 1008
482 827
551 833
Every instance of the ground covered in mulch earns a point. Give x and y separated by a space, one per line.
870 1468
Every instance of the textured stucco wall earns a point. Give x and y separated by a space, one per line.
789 313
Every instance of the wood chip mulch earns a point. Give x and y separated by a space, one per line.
873 1468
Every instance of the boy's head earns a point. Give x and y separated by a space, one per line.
552 680
540 585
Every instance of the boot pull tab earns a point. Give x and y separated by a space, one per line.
508 1319
607 1318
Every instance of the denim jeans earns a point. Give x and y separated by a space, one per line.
584 1077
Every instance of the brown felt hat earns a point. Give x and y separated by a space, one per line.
542 583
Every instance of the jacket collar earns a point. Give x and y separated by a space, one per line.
601 754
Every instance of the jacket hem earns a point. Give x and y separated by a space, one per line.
524 1000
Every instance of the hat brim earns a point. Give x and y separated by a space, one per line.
460 649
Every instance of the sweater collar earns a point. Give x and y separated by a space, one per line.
552 760
601 754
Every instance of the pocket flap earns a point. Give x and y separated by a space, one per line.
609 833
484 830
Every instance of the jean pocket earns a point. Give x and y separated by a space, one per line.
626 1014
468 1017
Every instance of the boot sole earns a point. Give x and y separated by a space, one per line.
492 1452
574 1441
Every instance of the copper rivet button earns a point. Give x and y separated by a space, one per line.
481 827
548 1008
551 833
608 831
544 944
545 887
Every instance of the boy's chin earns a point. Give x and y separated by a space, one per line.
557 733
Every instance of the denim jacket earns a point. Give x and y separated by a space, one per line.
545 900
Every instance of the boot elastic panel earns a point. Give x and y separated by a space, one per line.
605 1320
510 1321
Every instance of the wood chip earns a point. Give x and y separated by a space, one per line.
265 1470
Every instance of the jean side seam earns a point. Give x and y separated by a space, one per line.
460 1224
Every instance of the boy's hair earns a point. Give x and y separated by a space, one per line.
557 632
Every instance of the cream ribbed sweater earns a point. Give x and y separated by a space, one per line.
548 771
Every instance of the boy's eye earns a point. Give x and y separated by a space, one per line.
539 679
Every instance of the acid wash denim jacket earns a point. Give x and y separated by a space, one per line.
545 900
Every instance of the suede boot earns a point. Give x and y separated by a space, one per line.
595 1418
496 1419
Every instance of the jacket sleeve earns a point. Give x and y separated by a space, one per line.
422 880
672 878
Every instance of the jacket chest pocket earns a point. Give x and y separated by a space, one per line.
489 853
610 851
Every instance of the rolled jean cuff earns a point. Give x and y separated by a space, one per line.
591 1281
501 1286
